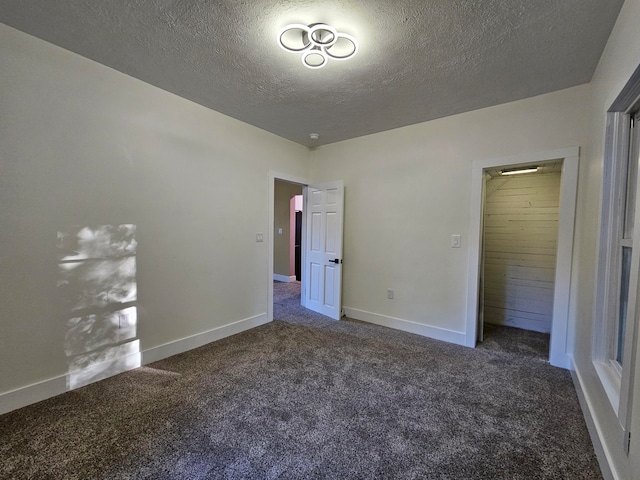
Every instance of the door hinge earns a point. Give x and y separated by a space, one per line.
633 121
627 442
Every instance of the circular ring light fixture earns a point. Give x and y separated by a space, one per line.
322 35
314 58
304 33
351 50
317 43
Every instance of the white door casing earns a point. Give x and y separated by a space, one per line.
324 213
559 356
480 332
286 177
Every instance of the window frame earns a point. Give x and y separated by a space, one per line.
616 377
608 284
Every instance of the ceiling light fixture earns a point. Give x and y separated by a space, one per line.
317 43
517 171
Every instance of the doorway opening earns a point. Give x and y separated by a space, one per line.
286 228
519 245
559 351
320 242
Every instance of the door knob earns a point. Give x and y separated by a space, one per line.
336 261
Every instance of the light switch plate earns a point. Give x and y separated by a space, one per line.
259 237
455 240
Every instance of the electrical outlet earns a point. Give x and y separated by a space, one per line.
389 294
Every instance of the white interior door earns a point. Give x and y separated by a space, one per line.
323 248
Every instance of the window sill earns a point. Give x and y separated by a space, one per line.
611 379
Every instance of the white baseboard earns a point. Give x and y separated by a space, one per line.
284 278
23 396
36 392
560 360
593 425
436 333
524 324
198 340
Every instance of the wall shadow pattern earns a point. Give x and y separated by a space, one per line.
98 290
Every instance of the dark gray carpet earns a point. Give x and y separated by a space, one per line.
292 400
286 307
517 341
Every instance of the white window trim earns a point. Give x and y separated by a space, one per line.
614 379
607 284
611 380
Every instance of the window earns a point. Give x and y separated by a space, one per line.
619 251
616 253
629 178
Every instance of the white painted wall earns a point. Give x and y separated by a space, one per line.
83 144
520 241
408 190
620 58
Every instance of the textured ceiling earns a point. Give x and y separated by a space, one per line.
418 59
